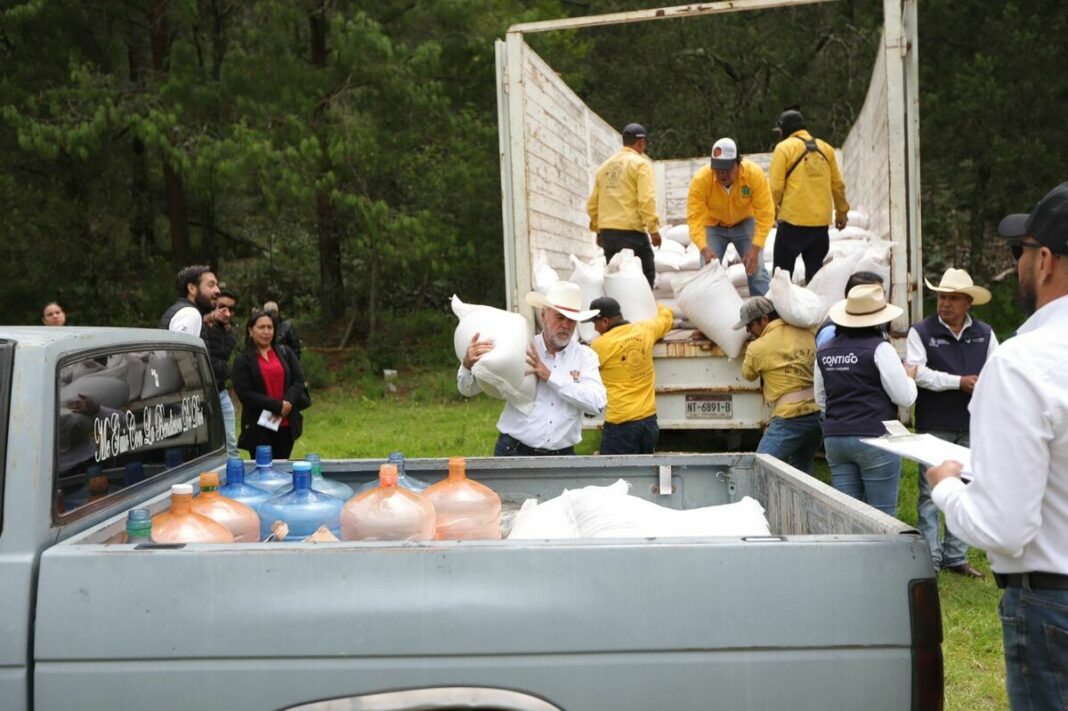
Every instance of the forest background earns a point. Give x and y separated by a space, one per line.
341 157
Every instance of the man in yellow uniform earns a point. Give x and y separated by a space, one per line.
730 203
805 182
784 356
622 207
625 351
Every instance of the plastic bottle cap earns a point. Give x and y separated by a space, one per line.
234 465
138 516
264 455
302 467
182 490
313 458
387 476
396 456
209 479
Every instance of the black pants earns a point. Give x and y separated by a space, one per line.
634 437
811 243
509 446
281 441
614 241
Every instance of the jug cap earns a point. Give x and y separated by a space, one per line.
313 458
235 467
264 455
302 466
387 476
396 456
209 480
138 515
182 490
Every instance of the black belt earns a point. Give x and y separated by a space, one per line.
1032 581
529 451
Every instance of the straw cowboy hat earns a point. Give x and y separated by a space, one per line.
865 306
957 281
565 298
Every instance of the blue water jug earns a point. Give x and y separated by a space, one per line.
403 480
325 485
266 477
238 490
303 509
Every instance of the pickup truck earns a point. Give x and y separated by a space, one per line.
838 609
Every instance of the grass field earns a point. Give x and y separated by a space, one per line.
427 418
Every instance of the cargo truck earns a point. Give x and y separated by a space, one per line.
551 144
837 609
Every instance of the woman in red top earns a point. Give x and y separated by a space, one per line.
267 376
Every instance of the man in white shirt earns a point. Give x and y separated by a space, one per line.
948 349
1016 506
198 290
569 380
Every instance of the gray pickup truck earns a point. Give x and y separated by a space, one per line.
837 610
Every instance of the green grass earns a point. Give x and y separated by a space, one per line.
426 417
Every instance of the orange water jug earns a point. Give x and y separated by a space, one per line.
465 509
388 513
238 518
183 525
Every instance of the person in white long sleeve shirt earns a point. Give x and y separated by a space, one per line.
859 383
1016 506
569 380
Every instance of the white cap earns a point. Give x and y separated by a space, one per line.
724 154
182 490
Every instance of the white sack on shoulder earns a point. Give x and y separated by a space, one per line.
590 278
795 305
830 281
712 304
625 282
501 373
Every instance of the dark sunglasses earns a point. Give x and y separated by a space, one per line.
1019 247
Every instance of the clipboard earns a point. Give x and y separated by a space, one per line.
923 448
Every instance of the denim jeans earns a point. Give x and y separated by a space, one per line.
229 423
794 440
864 472
950 550
1034 625
634 437
741 236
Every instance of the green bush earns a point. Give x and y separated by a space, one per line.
316 372
422 338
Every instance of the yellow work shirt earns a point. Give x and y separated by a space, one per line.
624 194
784 356
710 205
626 357
805 198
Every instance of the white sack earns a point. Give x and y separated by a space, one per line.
769 245
590 278
672 304
551 518
852 232
876 259
544 275
712 304
798 276
738 277
668 245
846 247
858 218
692 262
678 233
830 281
666 260
501 373
795 305
625 282
730 255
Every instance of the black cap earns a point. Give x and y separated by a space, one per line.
607 306
790 121
1047 223
634 130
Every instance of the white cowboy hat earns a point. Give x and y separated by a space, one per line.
865 306
565 298
957 281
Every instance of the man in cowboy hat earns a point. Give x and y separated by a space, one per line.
1016 506
625 351
948 349
569 381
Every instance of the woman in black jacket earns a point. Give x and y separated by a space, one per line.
268 377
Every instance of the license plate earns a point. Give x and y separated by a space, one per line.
709 407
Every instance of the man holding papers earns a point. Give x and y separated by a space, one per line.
948 349
1016 507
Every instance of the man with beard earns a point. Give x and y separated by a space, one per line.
1016 505
220 339
197 291
569 380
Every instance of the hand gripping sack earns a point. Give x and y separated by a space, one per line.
590 278
625 282
795 305
710 301
501 373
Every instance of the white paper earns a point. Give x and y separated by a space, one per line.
925 449
269 420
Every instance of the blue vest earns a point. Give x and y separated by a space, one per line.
856 401
948 409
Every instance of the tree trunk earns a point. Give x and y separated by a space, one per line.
141 227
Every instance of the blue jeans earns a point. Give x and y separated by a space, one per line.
741 236
950 551
229 423
794 440
1034 625
634 437
864 472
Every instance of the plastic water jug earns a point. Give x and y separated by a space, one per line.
266 477
465 509
325 485
303 509
240 519
138 526
183 525
388 513
238 490
403 480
